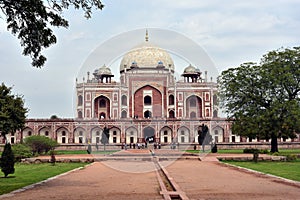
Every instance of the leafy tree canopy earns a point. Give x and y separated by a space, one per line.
30 21
12 111
263 99
40 144
105 136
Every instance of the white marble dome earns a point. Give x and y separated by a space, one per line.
146 56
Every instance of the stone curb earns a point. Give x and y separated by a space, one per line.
278 178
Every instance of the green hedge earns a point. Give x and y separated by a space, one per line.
21 151
253 150
40 144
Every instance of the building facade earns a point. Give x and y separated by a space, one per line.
146 101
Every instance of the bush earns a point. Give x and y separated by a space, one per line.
40 144
249 150
253 150
275 154
214 148
21 151
7 161
264 151
291 157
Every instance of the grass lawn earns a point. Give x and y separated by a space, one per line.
238 151
27 174
220 151
289 151
65 152
230 150
289 170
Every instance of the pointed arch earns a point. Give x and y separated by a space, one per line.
131 135
62 135
193 107
115 135
148 132
171 100
217 133
124 114
45 131
166 135
102 107
147 98
96 134
124 100
80 135
171 114
183 134
27 131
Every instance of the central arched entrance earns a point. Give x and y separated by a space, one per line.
149 132
102 107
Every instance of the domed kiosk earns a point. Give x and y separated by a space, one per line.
191 74
103 73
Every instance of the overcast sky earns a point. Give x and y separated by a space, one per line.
231 32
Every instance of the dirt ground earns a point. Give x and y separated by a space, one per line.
198 179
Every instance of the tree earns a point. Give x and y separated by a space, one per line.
40 144
12 111
21 151
7 161
105 136
54 117
263 99
204 138
30 21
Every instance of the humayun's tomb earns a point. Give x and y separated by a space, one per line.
147 101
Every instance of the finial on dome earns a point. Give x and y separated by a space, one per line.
146 37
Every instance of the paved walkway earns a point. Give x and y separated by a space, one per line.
112 179
212 180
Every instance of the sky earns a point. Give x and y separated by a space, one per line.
231 32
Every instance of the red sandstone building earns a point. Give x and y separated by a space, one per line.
146 101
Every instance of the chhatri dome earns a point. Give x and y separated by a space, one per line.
190 69
146 55
104 70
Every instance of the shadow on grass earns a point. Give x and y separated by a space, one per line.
8 177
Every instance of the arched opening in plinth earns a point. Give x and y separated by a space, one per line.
148 132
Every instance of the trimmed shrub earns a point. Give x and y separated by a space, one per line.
291 157
275 154
264 151
7 162
40 144
214 148
21 151
253 150
249 150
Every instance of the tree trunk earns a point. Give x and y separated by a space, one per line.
274 144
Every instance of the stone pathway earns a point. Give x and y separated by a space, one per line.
97 181
124 179
211 180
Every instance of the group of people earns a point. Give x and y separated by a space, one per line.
140 146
